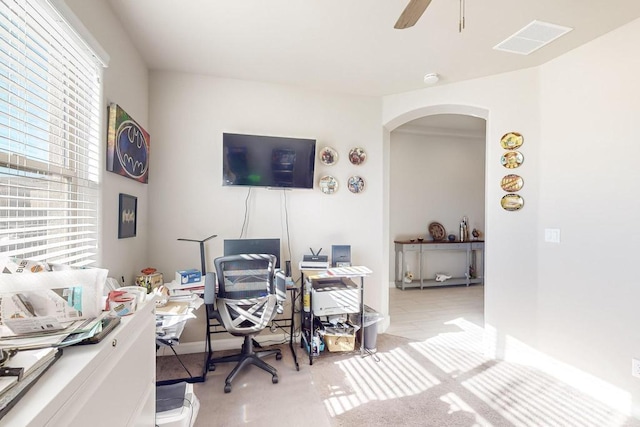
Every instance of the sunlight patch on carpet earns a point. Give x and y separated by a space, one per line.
526 396
456 404
455 352
396 375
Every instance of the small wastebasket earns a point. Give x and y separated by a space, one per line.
371 319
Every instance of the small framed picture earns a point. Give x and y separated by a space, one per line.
127 216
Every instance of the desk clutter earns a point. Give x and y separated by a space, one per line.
45 308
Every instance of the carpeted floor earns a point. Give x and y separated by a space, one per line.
442 381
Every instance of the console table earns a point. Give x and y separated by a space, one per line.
423 248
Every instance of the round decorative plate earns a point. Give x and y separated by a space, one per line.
512 159
328 184
357 156
511 183
328 156
512 202
437 231
355 184
511 140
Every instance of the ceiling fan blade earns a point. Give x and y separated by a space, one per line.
411 14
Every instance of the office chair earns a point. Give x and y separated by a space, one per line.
245 305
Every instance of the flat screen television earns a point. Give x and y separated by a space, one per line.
253 246
267 161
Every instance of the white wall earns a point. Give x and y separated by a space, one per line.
575 301
189 113
126 83
588 285
435 178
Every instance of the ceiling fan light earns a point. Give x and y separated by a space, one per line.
431 78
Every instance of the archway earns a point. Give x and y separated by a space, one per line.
393 125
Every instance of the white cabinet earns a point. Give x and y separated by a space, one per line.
108 384
424 248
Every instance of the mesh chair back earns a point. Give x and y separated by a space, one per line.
246 297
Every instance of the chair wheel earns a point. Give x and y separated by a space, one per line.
212 368
278 356
227 388
274 379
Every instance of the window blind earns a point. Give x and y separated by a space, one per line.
49 138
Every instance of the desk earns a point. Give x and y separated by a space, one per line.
283 322
170 324
423 248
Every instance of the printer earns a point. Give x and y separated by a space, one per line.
334 295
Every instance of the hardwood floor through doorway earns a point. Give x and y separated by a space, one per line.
423 313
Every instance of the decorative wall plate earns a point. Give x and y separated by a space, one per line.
437 231
328 184
328 156
512 202
355 184
511 183
511 140
512 159
357 156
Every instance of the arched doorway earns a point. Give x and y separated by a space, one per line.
435 172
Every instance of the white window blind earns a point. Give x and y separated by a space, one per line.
49 138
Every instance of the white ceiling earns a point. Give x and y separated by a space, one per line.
350 46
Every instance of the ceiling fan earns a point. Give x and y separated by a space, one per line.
416 8
411 14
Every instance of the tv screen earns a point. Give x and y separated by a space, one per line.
253 246
267 161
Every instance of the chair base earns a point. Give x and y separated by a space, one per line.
248 356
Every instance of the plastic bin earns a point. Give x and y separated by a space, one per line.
371 319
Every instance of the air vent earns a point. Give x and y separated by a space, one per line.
532 37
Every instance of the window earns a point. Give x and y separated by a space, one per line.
50 118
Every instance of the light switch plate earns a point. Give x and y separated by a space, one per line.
635 367
552 235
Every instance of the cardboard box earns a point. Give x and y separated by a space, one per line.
149 281
340 338
340 342
187 277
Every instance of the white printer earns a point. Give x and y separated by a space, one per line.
331 296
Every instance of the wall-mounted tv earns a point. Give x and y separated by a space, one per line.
267 161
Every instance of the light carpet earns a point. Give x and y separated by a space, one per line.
442 381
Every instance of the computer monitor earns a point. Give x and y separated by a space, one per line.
253 246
